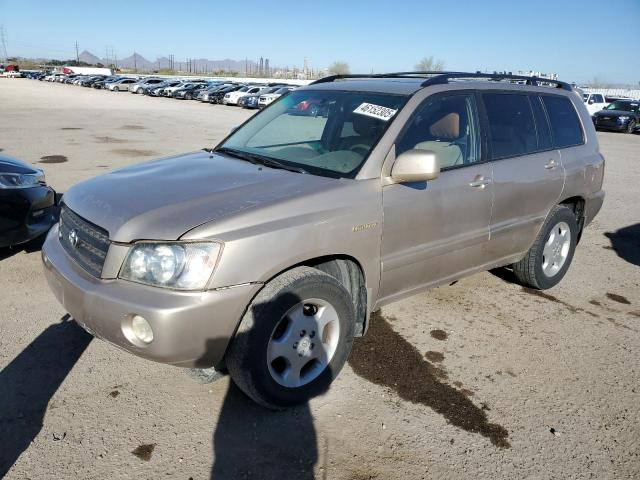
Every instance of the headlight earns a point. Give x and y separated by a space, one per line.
179 265
623 118
17 180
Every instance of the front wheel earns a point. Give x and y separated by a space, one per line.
548 259
631 127
293 340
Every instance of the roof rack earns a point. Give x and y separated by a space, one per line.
440 78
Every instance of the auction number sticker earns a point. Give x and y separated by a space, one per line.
375 111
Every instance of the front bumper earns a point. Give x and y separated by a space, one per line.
611 124
191 329
25 214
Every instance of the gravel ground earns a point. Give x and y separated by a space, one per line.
481 379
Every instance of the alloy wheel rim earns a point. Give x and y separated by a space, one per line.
303 343
556 249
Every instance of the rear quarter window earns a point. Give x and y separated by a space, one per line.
565 124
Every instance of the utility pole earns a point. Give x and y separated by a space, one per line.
3 42
77 54
135 62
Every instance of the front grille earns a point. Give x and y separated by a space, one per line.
603 121
92 243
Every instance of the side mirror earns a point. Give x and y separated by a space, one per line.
591 102
415 166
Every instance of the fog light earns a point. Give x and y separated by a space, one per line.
141 329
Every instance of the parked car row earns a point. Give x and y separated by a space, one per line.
245 95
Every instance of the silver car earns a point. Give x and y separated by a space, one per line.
121 84
266 255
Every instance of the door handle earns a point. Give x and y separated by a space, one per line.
480 182
551 164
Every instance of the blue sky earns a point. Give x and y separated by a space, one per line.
577 39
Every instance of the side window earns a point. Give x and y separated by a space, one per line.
542 124
565 125
446 125
512 130
598 99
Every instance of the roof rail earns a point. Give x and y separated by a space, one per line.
333 78
535 81
439 78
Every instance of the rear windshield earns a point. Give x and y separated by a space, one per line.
329 133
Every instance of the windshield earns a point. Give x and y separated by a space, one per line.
625 106
329 133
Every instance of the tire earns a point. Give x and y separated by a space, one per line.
538 271
283 315
188 96
631 127
314 110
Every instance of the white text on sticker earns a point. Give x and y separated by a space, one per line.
375 111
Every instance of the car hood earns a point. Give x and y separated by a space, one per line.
164 199
12 165
614 113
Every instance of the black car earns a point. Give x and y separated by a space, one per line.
91 81
189 91
621 116
157 90
27 204
218 95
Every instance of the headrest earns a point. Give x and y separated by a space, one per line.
448 127
367 126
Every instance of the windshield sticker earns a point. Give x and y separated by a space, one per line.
375 111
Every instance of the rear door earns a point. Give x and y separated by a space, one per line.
437 230
527 172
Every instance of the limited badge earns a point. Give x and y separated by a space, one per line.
375 111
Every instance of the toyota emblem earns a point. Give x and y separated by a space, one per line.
73 238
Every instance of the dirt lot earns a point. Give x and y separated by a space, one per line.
482 379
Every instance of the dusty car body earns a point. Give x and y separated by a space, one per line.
419 184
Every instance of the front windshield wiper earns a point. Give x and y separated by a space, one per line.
259 159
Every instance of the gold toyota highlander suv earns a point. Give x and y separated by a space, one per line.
266 255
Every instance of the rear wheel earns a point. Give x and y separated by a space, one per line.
293 340
548 259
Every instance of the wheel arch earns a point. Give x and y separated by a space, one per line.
346 269
350 273
577 206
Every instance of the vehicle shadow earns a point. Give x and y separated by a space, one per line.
29 382
626 243
31 246
252 442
